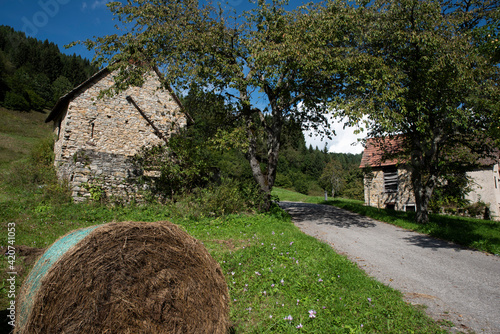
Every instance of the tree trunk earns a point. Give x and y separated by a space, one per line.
264 178
421 215
423 187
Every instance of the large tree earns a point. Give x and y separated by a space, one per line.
417 71
259 61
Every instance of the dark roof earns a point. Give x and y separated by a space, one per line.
379 151
63 102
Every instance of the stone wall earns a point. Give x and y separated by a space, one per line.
376 196
485 184
97 137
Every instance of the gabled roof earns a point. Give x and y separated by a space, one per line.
63 101
379 152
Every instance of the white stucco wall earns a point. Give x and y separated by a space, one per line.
486 188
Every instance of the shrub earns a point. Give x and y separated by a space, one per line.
283 181
229 196
301 184
16 102
478 209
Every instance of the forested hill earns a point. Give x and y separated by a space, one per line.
34 73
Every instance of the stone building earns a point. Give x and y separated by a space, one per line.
387 181
97 137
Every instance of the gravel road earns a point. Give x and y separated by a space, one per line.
456 284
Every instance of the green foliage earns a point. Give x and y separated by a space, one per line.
229 196
60 87
97 193
35 177
16 101
174 170
416 70
301 184
283 180
260 54
331 178
30 69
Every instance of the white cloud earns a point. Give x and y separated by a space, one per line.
345 141
99 3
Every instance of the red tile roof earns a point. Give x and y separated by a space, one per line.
378 152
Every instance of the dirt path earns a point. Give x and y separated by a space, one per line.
456 284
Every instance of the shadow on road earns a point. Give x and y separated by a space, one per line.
333 216
425 241
325 215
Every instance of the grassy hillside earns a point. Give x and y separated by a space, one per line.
19 132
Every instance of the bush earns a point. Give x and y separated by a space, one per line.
301 184
478 210
282 181
16 102
35 101
230 196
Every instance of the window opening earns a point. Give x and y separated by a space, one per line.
391 180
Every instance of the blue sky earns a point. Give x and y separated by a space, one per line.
66 21
59 21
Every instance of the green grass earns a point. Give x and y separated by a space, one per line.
272 269
293 196
483 235
19 132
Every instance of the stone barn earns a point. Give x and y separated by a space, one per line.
97 137
387 181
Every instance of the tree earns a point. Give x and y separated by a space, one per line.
259 51
331 178
417 71
60 87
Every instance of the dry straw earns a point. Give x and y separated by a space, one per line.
128 277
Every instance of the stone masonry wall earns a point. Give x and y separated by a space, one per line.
97 137
376 196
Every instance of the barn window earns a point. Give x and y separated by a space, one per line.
410 208
391 180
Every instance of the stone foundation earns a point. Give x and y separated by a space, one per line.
114 174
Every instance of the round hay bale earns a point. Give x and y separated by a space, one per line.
128 277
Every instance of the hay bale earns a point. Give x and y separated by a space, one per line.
128 277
